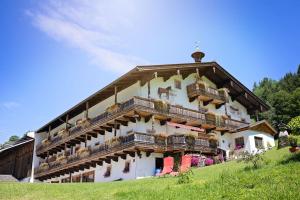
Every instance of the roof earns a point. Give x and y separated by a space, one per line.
211 70
7 178
18 143
262 126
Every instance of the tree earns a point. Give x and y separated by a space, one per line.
282 96
294 125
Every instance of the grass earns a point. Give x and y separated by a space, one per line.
279 179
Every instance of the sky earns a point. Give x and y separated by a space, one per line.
53 54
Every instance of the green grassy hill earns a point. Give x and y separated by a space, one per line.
279 179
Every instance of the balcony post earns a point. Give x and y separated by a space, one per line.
116 94
85 144
65 149
67 121
148 87
86 110
49 130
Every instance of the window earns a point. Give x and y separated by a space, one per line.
239 143
177 84
258 142
88 176
108 172
76 179
65 180
127 167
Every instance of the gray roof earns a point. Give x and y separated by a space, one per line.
7 178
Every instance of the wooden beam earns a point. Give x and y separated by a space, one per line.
131 153
131 119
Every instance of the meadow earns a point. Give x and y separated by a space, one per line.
278 178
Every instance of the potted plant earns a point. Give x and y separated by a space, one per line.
62 133
62 159
190 140
83 152
209 161
162 106
114 108
293 142
161 138
44 166
46 142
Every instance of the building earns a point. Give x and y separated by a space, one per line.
124 130
16 159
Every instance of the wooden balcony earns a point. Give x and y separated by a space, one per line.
133 110
120 147
206 94
121 114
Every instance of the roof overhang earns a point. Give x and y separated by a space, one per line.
211 70
261 126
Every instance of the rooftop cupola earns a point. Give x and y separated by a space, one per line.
197 55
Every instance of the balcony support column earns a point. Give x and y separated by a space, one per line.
149 89
116 94
86 110
49 130
85 143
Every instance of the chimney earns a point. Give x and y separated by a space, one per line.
198 55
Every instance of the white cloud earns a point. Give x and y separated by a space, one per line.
11 105
93 26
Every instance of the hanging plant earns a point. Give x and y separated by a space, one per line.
112 109
162 106
44 166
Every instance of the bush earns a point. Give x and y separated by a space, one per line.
209 161
256 159
294 125
293 141
185 177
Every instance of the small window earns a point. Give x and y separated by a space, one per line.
239 143
76 179
88 176
127 167
177 84
108 172
258 142
65 180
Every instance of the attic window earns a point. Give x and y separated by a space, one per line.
177 84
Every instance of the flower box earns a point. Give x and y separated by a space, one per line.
112 109
44 166
83 152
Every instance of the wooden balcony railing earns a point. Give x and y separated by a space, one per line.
146 105
134 103
206 93
121 144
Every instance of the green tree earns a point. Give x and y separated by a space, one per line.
294 125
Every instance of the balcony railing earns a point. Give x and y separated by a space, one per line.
149 105
123 142
207 93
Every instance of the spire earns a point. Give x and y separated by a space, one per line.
197 55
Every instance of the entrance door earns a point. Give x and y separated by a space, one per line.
159 163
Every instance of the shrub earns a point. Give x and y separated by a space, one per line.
256 159
195 161
185 177
293 141
294 125
209 161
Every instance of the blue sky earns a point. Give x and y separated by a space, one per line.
53 54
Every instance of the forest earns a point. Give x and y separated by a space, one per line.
283 96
